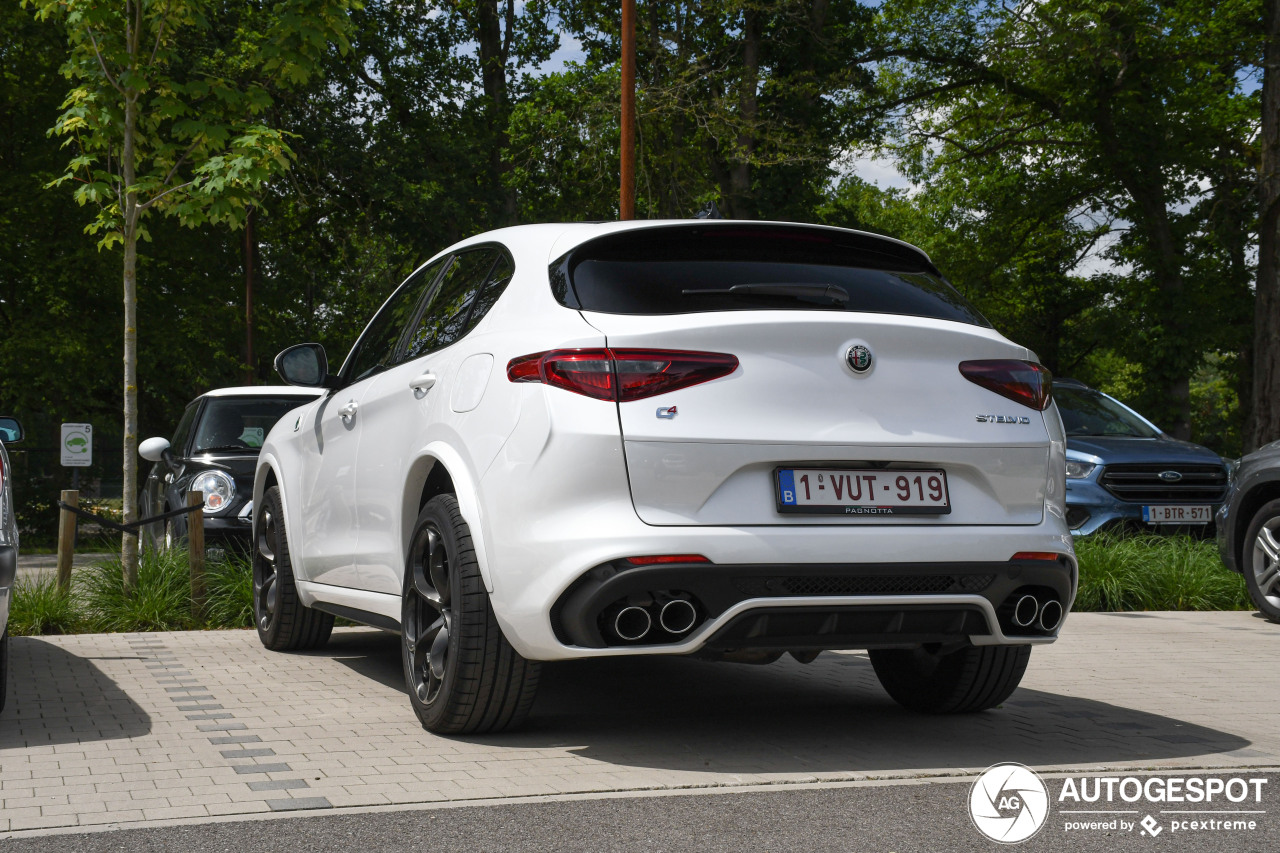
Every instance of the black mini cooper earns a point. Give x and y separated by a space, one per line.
214 450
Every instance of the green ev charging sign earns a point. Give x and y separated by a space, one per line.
77 445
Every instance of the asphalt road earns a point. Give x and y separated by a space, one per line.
930 817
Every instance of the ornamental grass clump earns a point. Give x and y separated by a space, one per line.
1121 573
230 589
38 606
160 602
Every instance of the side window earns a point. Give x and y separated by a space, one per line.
444 319
375 350
493 287
183 432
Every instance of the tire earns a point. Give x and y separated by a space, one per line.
283 622
462 675
972 679
1261 560
4 666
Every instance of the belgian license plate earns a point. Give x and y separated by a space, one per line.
1177 514
856 491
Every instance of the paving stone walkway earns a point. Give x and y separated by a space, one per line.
124 729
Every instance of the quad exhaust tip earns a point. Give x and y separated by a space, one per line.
1050 616
1028 612
1024 612
677 616
632 623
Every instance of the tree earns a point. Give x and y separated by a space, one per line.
1141 100
1264 426
165 115
739 101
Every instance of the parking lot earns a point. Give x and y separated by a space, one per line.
139 729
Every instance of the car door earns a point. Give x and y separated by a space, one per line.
406 409
329 520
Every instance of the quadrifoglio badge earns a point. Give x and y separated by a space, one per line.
1010 803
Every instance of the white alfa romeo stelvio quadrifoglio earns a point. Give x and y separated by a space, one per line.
725 439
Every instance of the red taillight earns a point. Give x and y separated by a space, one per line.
1035 555
621 374
1023 382
667 558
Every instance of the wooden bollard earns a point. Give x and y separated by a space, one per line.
66 538
195 551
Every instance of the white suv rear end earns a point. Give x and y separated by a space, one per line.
728 439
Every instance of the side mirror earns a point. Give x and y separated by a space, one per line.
153 449
10 430
305 365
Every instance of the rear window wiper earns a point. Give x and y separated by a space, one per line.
828 292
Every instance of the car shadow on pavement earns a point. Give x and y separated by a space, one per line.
828 716
832 714
56 697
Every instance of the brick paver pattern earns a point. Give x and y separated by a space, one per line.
125 728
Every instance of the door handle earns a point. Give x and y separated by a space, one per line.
423 383
349 410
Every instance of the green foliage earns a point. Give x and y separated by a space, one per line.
161 601
39 607
167 99
1137 113
1155 573
229 583
1216 417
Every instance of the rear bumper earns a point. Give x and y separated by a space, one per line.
791 607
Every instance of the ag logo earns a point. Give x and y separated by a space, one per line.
1009 803
858 357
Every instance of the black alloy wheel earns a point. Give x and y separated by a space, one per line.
462 674
428 613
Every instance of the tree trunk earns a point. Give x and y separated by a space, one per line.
494 48
129 541
1265 421
740 202
249 247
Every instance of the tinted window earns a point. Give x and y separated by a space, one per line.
234 423
691 269
183 432
1086 412
375 351
445 318
499 276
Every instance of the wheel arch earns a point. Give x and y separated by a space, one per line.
266 476
1249 505
437 470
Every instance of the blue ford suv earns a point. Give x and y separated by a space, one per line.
1122 470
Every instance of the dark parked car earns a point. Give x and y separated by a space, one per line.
1123 470
214 450
1249 527
10 432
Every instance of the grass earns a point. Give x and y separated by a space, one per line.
1117 573
230 590
1124 573
39 607
161 602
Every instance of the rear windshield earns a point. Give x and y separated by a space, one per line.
1086 412
694 269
